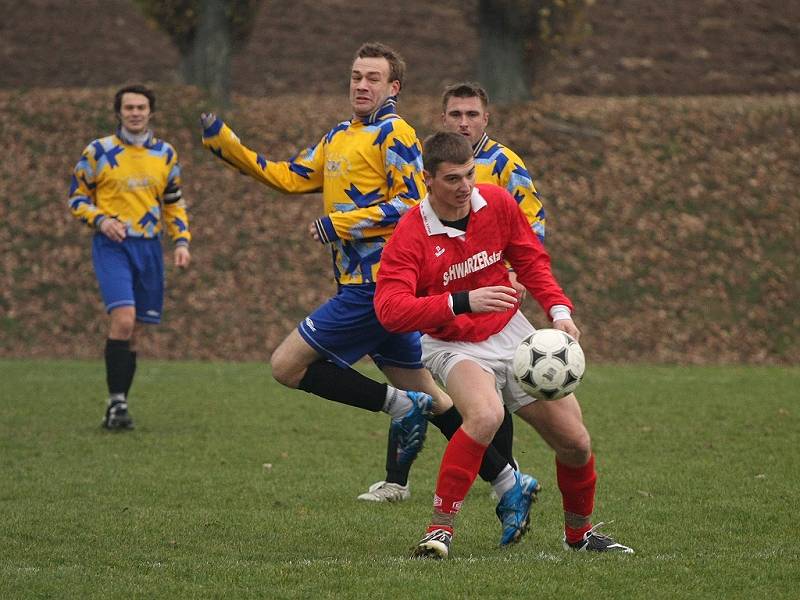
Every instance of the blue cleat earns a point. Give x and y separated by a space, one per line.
514 508
410 429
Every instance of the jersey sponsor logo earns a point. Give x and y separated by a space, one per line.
476 262
438 251
134 183
337 166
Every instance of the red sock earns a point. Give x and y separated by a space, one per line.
577 485
460 463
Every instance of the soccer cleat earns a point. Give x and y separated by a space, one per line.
435 544
117 417
384 491
596 542
514 508
410 429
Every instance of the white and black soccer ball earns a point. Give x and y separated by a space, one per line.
549 364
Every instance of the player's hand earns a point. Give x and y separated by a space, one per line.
518 287
314 232
182 256
568 326
113 229
494 298
207 119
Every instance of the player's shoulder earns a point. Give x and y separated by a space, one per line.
409 224
162 148
412 217
399 127
340 126
104 142
493 193
499 148
99 146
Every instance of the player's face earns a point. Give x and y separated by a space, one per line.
450 190
465 116
134 112
370 85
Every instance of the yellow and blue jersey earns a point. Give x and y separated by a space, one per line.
115 178
494 163
369 171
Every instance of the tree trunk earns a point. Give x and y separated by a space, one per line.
502 61
208 64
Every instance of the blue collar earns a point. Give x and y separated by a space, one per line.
387 109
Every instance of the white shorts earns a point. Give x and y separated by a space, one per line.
494 355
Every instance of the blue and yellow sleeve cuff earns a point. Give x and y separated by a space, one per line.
325 230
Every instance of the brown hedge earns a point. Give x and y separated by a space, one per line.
673 223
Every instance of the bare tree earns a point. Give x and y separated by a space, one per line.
517 37
207 33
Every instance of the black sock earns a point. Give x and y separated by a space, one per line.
347 386
395 472
504 438
131 372
448 423
117 356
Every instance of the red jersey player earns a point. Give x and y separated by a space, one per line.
442 273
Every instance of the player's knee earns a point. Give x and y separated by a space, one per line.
284 370
482 422
123 323
577 448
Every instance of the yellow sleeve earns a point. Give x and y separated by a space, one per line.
175 214
300 175
82 189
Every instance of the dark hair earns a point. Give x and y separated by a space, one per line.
465 89
134 89
445 147
397 66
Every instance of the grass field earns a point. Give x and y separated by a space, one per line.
234 487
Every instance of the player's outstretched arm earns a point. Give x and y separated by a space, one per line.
301 175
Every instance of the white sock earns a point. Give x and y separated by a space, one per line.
116 398
397 402
504 482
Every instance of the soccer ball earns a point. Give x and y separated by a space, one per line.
549 364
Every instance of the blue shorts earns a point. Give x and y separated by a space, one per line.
345 329
130 273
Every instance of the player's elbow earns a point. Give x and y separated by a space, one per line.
388 317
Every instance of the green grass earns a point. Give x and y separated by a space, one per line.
698 468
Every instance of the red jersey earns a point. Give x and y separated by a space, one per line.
425 261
